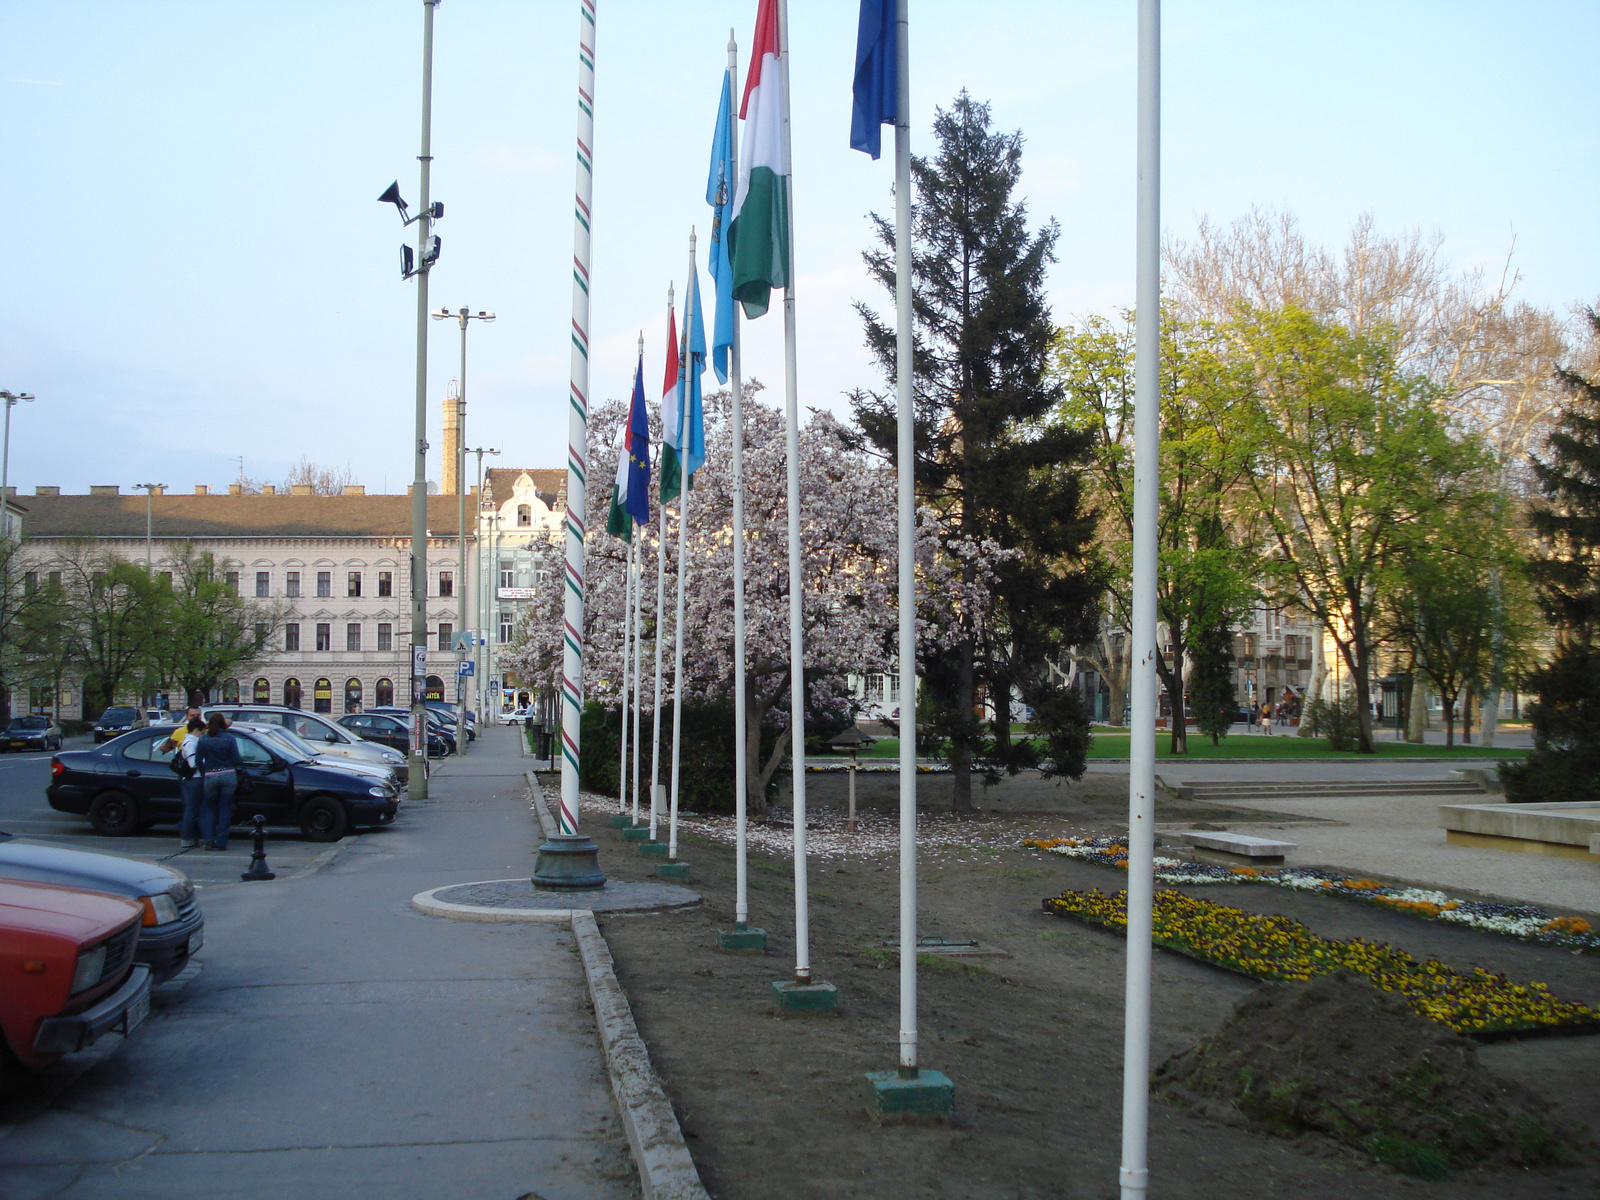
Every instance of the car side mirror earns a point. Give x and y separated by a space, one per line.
331 737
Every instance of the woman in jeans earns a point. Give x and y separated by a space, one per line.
189 786
217 756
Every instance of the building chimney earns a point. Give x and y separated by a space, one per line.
300 489
105 489
355 489
236 489
201 489
268 489
47 491
452 436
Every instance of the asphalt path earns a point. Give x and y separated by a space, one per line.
26 813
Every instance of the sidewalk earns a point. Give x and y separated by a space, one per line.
339 1044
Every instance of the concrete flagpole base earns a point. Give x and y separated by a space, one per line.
621 821
674 869
742 937
653 849
791 997
639 833
917 1095
568 861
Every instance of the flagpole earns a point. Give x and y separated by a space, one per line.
638 528
569 860
791 427
741 756
627 630
691 294
661 624
1135 1175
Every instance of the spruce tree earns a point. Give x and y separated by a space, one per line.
1565 763
987 457
1211 697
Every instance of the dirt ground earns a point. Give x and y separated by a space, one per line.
1031 1035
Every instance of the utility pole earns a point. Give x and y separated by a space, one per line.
150 489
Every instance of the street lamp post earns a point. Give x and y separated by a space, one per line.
11 399
464 316
480 616
150 489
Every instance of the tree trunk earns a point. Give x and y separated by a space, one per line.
1356 661
1466 719
1319 681
1172 681
1449 719
1417 717
961 747
1488 718
755 777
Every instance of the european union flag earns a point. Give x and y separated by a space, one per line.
876 90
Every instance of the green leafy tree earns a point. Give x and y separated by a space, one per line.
208 632
1211 695
113 609
47 649
988 457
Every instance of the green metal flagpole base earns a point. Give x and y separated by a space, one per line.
653 849
802 998
568 862
673 870
639 833
742 937
621 821
917 1096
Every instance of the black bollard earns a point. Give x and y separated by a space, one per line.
258 856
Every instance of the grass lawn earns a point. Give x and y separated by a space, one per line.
1111 744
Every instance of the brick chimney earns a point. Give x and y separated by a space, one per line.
47 491
355 489
105 489
452 437
201 489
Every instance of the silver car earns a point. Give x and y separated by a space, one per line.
319 732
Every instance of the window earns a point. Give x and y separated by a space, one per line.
352 583
508 576
291 693
230 691
352 695
165 577
385 636
261 635
446 635
505 627
253 753
322 696
30 582
291 584
291 636
524 514
263 583
383 692
447 583
54 578
324 636
352 636
231 582
385 583
262 692
324 583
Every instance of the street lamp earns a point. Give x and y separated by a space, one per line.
481 619
11 399
150 489
464 316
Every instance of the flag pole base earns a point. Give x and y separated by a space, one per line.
638 833
674 869
653 849
621 821
804 998
922 1097
742 937
568 862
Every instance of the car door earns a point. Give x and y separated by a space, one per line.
391 732
138 768
265 783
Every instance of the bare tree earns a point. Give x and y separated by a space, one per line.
323 481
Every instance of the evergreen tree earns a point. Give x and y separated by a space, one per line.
1565 763
1211 698
988 458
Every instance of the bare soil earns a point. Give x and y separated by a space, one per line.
1031 1035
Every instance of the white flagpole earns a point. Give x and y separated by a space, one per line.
661 625
791 425
905 451
1135 1175
741 763
638 663
690 295
627 630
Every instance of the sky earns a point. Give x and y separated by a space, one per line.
197 276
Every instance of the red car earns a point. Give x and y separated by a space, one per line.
67 971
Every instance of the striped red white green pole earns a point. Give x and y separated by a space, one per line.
577 431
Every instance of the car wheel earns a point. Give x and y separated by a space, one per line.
114 814
323 819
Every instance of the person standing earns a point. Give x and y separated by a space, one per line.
1266 717
184 740
217 757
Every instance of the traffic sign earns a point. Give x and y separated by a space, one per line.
466 667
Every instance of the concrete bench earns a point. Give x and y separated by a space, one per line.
1239 845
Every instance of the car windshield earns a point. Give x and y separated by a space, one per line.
117 714
30 723
290 746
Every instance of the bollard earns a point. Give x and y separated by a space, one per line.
258 856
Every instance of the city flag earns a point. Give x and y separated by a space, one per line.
684 442
876 91
719 194
630 495
758 236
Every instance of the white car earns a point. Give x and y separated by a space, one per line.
515 716
160 716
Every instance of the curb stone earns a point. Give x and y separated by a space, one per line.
327 856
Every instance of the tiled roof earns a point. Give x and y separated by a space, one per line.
550 482
186 516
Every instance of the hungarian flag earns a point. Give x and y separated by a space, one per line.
758 236
670 471
683 440
630 495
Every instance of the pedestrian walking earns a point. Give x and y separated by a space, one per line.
184 740
217 757
1266 717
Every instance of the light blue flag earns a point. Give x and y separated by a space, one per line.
719 194
693 440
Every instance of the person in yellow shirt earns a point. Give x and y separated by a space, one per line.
183 740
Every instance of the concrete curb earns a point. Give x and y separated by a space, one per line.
666 1171
431 905
547 824
327 856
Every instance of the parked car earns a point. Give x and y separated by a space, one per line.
318 730
31 733
297 749
129 784
67 958
171 928
439 726
515 716
390 731
116 720
450 711
161 716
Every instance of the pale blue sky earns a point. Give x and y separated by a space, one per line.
195 267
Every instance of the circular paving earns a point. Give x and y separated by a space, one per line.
519 900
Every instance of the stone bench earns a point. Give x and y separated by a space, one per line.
1566 829
1238 845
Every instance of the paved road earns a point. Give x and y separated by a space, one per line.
339 1044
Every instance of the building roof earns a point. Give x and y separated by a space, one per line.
549 482
224 516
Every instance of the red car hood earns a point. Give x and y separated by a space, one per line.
66 912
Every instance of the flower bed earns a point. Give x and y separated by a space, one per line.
1525 921
1281 948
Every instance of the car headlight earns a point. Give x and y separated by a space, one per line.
377 791
91 965
159 909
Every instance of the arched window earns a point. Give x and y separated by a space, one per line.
322 696
263 691
524 514
352 695
433 688
291 693
383 692
230 691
